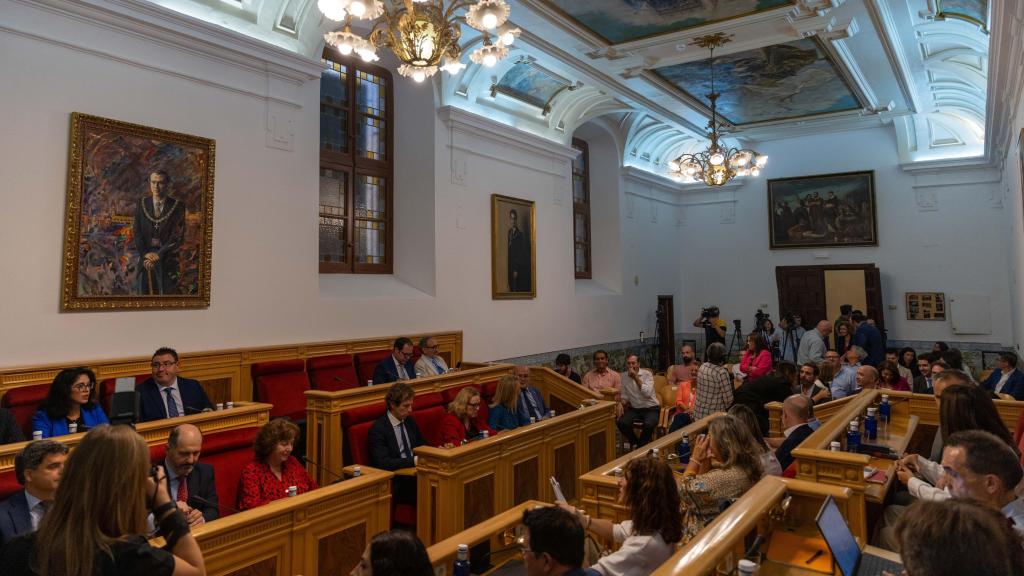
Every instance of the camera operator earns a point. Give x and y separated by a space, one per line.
714 327
786 338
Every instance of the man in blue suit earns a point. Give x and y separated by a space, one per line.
869 338
167 396
398 366
38 468
530 402
1006 379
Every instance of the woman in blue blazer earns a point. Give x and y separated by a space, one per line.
72 399
503 411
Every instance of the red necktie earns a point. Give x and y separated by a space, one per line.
182 489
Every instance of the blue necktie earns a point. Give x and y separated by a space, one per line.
172 406
437 366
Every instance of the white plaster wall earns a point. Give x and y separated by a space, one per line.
959 246
1013 176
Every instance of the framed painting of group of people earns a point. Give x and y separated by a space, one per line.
827 210
138 223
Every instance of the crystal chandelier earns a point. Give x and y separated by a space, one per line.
718 164
423 34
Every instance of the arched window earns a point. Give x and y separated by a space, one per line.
356 167
581 209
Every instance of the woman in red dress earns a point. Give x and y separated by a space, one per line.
274 470
461 424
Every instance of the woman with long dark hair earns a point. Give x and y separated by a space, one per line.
908 359
756 360
394 553
842 338
71 403
889 377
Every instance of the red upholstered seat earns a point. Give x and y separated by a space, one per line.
416 353
8 484
790 471
332 373
361 414
487 390
23 403
481 416
107 389
358 444
428 420
282 384
403 515
429 400
367 361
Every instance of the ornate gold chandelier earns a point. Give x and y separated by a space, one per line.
718 164
421 33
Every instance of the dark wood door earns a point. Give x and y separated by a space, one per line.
666 333
802 292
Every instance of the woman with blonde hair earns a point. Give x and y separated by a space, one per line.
725 463
769 462
503 411
461 424
96 524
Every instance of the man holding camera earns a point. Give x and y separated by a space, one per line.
714 327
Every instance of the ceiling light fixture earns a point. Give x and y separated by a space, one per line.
718 164
421 33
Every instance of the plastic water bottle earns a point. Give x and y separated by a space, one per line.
220 405
37 434
835 446
72 427
871 425
369 382
551 414
746 567
462 567
683 450
229 405
885 414
483 435
533 420
357 471
853 437
293 491
654 452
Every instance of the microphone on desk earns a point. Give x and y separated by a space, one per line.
202 500
189 410
306 460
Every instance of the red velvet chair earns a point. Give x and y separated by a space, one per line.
355 427
282 384
331 373
367 361
107 389
428 420
23 403
8 484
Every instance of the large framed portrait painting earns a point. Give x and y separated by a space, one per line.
827 210
138 222
513 248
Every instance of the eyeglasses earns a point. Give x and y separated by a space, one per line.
434 347
473 404
82 387
166 364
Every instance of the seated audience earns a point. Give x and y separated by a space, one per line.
553 543
167 396
942 379
813 344
600 377
71 400
954 359
430 363
273 469
1006 378
923 381
460 424
398 366
939 347
97 522
841 338
776 386
647 488
563 365
682 372
394 553
796 416
826 373
845 382
530 403
867 378
942 538
889 377
38 468
893 356
714 384
639 403
908 359
196 496
724 464
756 360
503 411
811 386
394 435
10 432
686 393
868 337
769 463
835 359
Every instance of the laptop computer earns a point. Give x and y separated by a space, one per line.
848 555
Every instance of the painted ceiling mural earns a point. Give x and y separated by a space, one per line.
530 83
788 80
625 20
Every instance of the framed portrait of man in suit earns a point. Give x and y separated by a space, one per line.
513 248
138 219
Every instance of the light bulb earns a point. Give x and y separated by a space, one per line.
717 159
345 48
755 172
367 55
490 20
332 9
357 8
761 161
508 38
490 60
673 166
419 76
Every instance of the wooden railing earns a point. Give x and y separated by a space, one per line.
499 533
224 374
460 487
822 412
243 415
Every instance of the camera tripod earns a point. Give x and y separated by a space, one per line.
736 343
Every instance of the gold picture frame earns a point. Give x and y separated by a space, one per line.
926 306
513 248
138 217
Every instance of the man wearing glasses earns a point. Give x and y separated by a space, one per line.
167 396
430 363
398 366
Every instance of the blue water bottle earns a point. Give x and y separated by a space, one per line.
871 425
683 451
461 567
853 437
885 415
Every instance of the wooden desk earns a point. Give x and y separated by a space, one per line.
320 532
463 486
718 547
500 532
243 415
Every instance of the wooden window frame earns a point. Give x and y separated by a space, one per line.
582 209
354 166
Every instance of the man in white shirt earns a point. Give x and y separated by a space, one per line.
639 402
38 468
978 466
430 362
812 344
845 382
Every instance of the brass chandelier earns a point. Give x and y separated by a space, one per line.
421 33
718 164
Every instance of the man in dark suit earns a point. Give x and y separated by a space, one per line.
796 412
167 396
10 432
1006 379
923 382
38 468
197 495
394 435
530 402
869 338
159 231
519 266
398 366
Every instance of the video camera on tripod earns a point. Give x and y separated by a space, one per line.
706 314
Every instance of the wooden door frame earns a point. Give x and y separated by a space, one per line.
879 317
